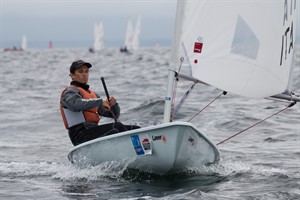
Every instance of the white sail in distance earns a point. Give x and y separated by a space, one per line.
244 47
98 36
129 35
132 35
136 34
24 43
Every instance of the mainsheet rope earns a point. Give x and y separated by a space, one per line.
289 106
223 93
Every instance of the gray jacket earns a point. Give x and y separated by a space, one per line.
72 99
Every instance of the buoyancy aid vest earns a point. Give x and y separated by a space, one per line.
72 118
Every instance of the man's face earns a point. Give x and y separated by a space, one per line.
81 74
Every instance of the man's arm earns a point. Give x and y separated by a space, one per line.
72 99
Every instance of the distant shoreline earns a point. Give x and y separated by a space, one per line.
84 44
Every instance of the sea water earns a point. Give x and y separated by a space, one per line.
261 163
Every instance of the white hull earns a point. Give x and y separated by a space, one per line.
163 149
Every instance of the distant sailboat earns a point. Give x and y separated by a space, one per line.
24 43
128 35
98 36
132 36
50 45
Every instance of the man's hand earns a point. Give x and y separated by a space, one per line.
105 105
112 101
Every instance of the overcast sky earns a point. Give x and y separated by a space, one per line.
70 22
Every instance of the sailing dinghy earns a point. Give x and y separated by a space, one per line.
242 47
161 149
24 43
132 35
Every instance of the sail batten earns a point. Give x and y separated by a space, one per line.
243 47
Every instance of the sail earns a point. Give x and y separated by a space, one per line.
24 43
129 35
98 36
136 34
244 47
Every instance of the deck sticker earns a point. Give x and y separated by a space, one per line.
146 144
164 139
142 144
137 145
159 137
156 137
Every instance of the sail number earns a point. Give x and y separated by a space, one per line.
287 42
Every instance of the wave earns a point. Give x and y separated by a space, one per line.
119 170
203 182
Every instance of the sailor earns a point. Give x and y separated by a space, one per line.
85 114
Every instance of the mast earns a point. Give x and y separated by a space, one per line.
169 96
174 63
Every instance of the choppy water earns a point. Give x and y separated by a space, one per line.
262 163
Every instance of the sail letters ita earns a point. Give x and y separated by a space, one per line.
288 35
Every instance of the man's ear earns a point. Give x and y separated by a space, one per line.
71 75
